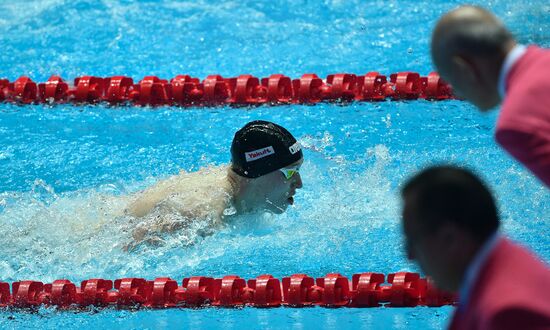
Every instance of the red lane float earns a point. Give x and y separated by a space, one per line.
265 291
407 289
119 89
24 90
94 292
62 293
299 290
367 290
88 89
200 290
53 90
5 296
435 88
215 90
185 90
278 89
27 293
232 291
343 86
373 87
4 89
163 294
151 91
408 85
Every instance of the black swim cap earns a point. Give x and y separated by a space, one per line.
261 147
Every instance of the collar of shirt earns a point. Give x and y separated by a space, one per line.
513 56
472 272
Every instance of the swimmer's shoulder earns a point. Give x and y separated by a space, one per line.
145 200
185 184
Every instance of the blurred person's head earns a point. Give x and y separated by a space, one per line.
265 163
448 214
469 46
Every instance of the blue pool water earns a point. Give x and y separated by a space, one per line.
66 170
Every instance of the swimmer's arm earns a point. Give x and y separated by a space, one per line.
152 235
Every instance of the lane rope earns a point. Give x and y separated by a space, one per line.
215 90
403 289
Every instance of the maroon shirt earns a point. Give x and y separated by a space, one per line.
512 291
523 127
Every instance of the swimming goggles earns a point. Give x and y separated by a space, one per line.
289 172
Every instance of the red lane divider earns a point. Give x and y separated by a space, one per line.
214 90
299 290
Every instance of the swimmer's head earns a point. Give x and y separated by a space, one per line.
469 45
265 163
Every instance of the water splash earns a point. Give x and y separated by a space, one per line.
83 233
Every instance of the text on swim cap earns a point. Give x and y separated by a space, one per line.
295 147
260 153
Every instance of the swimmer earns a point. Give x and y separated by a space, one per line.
263 177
